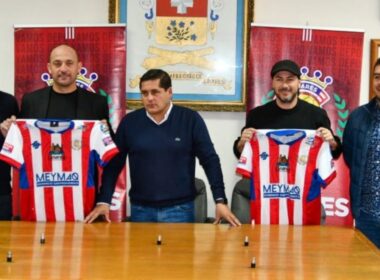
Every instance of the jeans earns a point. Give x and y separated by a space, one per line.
180 213
369 227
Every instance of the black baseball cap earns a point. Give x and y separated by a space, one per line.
286 65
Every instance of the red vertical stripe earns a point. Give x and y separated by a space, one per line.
27 207
290 206
312 209
47 166
67 166
256 188
292 158
274 178
274 211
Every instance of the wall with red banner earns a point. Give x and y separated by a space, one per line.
329 59
101 49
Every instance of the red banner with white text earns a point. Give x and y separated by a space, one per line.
330 62
101 49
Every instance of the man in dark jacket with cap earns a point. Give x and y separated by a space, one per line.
287 110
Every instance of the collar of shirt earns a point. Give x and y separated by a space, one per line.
166 116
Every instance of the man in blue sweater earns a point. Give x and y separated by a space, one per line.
361 151
162 141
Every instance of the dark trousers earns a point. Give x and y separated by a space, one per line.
369 227
5 207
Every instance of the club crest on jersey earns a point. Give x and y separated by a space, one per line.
56 151
264 155
283 163
302 159
76 145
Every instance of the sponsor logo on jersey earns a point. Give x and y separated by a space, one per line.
264 155
243 160
54 123
281 191
36 145
107 141
57 179
7 147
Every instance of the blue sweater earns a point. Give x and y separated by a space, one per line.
356 137
162 158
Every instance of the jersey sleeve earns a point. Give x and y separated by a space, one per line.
244 166
325 164
11 151
102 143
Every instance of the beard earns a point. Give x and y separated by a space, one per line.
289 99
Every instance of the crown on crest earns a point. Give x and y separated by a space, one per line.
314 86
82 81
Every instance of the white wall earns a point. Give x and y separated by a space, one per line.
223 126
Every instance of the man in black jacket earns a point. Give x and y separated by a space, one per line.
8 108
64 99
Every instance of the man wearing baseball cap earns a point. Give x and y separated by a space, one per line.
287 110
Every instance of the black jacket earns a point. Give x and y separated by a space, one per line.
90 106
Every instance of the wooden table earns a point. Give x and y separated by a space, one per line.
188 251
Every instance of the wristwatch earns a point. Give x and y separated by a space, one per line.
221 200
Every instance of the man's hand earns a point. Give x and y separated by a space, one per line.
100 209
246 136
223 212
6 124
328 136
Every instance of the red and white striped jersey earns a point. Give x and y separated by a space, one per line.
56 160
287 168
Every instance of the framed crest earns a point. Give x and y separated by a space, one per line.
201 44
